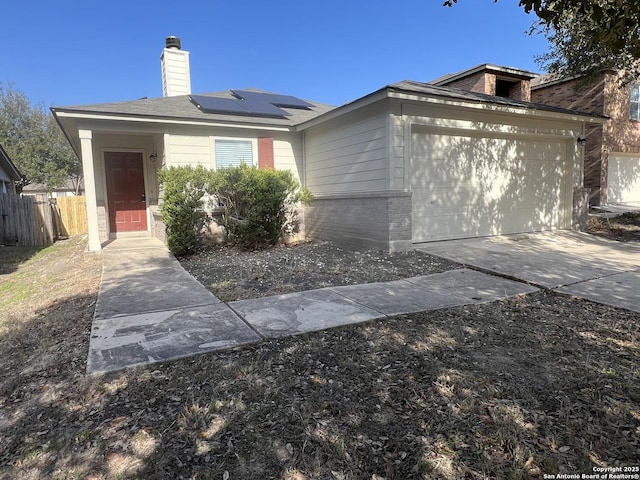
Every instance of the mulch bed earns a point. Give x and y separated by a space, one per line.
232 273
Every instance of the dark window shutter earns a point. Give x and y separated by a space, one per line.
265 153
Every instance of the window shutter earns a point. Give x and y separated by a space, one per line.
265 153
231 153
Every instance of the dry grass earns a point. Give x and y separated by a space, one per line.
624 228
514 389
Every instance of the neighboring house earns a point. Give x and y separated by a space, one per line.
69 189
410 162
490 79
9 174
612 150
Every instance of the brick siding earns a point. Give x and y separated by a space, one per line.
378 220
103 231
621 134
476 82
485 82
573 95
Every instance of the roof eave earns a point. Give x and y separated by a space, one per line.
531 109
391 91
162 120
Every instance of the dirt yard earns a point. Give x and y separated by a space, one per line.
539 384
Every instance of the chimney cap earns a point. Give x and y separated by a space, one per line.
173 42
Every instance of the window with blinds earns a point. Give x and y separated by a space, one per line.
635 101
231 153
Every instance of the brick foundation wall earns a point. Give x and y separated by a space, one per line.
158 228
103 231
297 230
378 220
580 208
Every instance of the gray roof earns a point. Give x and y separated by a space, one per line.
409 86
181 108
69 186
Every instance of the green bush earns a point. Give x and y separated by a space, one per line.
256 203
257 206
183 191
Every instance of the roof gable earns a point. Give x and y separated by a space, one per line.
485 67
8 166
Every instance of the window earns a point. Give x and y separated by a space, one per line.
231 153
504 87
635 101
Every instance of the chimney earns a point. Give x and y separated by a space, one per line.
176 77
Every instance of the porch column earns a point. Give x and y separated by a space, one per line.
86 148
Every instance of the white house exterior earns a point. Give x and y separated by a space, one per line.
409 163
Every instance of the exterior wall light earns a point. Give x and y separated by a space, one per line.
153 157
581 141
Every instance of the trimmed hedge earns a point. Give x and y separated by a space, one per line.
257 204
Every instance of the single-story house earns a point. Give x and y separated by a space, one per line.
411 162
71 188
9 174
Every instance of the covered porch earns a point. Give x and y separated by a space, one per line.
120 161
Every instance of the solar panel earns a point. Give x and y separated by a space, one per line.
285 101
237 107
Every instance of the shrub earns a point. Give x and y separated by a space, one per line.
183 191
256 203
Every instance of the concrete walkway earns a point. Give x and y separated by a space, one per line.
150 309
574 263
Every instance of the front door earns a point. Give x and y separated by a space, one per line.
125 192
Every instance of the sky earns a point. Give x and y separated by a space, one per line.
72 52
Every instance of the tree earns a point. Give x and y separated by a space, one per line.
587 36
35 142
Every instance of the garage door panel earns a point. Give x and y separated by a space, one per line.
443 196
472 186
623 179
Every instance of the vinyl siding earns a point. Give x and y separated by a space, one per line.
398 167
175 73
287 155
349 157
185 149
189 150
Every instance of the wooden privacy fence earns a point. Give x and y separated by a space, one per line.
26 221
71 215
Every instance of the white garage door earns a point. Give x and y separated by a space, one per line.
476 186
623 179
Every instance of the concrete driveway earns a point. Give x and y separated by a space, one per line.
574 263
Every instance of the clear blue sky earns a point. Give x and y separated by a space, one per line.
73 52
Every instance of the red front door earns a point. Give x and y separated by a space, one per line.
125 192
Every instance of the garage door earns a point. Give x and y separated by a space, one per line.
623 179
467 186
